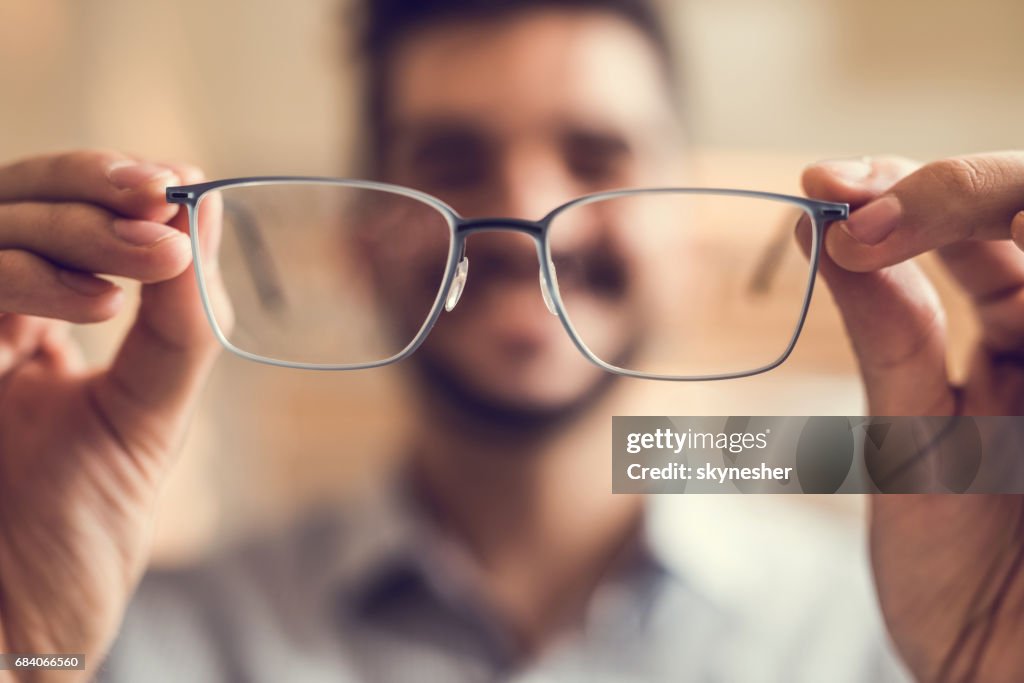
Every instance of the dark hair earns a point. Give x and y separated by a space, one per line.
384 24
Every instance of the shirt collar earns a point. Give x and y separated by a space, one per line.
384 537
723 547
732 552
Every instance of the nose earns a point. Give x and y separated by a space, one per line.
531 183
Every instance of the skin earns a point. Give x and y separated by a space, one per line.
939 561
548 131
83 451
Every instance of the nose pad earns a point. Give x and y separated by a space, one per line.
458 284
545 290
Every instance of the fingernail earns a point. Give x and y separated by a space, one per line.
127 175
1017 230
874 222
142 233
83 283
849 170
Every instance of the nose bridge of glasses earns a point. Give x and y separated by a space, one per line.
468 226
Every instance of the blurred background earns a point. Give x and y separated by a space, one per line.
263 87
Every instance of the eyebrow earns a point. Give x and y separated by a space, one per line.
601 136
600 139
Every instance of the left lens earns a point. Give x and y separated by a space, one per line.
681 284
324 273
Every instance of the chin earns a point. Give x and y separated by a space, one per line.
536 388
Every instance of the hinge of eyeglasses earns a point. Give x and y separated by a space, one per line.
178 196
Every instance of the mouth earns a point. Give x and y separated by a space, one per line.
508 313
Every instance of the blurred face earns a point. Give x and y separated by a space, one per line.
512 117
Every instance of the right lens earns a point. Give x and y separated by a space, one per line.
324 273
681 283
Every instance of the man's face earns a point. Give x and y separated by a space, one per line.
512 117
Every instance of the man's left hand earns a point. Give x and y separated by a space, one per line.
949 569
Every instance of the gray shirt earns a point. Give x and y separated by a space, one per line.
728 588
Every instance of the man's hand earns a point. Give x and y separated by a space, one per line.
83 452
949 569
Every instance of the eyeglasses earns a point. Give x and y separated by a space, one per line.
662 283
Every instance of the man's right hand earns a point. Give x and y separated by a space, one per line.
83 452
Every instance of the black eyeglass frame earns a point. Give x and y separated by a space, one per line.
821 213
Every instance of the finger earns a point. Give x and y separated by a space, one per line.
992 273
40 339
190 319
974 197
59 351
892 316
1017 230
30 285
855 181
896 328
110 179
164 360
20 338
87 238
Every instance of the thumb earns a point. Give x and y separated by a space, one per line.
892 316
165 358
964 198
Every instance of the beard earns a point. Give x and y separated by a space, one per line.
477 408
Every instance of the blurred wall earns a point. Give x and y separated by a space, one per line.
254 87
915 77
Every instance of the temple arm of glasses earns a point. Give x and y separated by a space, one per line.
258 259
770 260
